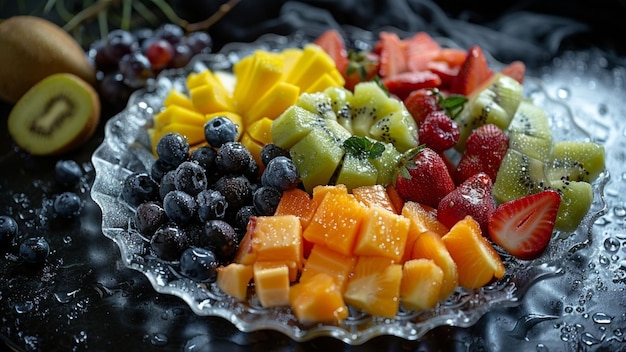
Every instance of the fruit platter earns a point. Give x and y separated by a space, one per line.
355 225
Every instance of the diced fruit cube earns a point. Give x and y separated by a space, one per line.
375 286
429 245
374 195
297 202
275 238
319 299
234 278
336 223
477 261
320 191
265 69
271 284
382 233
421 284
421 221
328 261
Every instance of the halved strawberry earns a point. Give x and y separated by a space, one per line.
472 197
402 84
391 50
515 70
524 226
333 44
473 73
423 177
421 49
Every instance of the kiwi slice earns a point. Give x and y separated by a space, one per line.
56 115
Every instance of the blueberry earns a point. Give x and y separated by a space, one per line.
233 158
199 264
266 200
270 151
204 156
67 205
190 178
139 187
242 217
236 190
159 168
169 241
167 183
221 238
34 250
219 131
252 171
149 217
8 229
280 173
173 149
67 173
211 205
179 206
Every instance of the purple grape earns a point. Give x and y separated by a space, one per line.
199 42
119 43
136 69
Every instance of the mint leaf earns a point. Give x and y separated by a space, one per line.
363 148
453 105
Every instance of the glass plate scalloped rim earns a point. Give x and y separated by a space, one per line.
125 150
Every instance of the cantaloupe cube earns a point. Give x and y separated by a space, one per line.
395 198
320 191
292 267
318 299
382 233
233 279
336 223
271 284
375 286
277 238
273 102
328 261
245 252
429 245
421 220
297 202
374 195
421 284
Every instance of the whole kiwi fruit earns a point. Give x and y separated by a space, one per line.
34 48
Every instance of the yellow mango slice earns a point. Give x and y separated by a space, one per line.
210 98
313 62
274 102
178 114
261 130
421 284
192 133
382 233
265 70
318 300
177 98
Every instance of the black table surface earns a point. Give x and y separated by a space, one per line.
82 298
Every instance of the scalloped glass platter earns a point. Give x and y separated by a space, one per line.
126 149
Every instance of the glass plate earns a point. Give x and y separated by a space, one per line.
125 150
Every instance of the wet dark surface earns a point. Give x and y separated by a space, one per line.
82 298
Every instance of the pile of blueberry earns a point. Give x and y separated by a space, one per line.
126 60
194 206
66 206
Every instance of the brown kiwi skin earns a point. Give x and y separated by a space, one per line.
34 48
88 129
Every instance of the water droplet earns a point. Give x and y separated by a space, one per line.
542 348
618 332
604 260
619 211
24 307
67 239
158 339
524 324
589 339
602 318
65 297
612 244
563 93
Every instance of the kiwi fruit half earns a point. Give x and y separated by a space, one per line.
56 115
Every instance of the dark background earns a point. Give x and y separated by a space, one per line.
133 316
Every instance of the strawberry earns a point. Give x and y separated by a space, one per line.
438 131
484 151
472 197
473 73
515 70
402 84
423 177
421 49
422 102
392 54
333 44
362 66
524 226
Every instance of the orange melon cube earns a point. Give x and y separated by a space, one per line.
421 220
336 223
328 261
297 202
477 260
382 233
320 191
277 238
429 245
292 267
375 286
395 198
271 284
374 195
318 299
233 279
421 284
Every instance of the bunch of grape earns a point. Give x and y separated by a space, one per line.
126 60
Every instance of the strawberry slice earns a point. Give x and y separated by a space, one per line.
472 197
515 70
392 54
333 44
524 226
402 84
421 49
473 73
423 177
